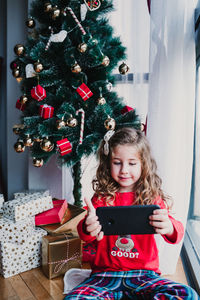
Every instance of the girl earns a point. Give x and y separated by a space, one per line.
127 267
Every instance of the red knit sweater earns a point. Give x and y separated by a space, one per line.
130 252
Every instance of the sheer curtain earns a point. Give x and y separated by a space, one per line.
170 127
131 22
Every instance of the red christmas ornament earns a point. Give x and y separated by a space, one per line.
64 146
38 93
46 111
126 109
84 91
20 106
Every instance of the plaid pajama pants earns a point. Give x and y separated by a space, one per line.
137 284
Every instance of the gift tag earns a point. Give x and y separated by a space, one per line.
30 72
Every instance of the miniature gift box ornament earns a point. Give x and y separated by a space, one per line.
64 146
20 106
84 91
46 111
38 93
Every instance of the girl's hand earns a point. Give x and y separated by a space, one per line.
92 224
161 222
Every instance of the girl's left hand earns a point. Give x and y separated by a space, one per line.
161 222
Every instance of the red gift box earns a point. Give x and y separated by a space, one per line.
126 109
84 91
53 215
38 93
20 105
46 111
64 146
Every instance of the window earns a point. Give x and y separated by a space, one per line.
191 247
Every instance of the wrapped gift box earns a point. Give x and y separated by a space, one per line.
69 222
20 106
84 91
46 111
31 192
23 207
38 92
15 259
64 146
59 254
53 215
1 202
16 232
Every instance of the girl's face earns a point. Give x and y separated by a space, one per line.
126 167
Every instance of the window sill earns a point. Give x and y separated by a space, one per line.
191 254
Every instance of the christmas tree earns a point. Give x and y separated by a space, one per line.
65 75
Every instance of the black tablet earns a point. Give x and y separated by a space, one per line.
119 220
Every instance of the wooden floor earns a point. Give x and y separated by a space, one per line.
33 285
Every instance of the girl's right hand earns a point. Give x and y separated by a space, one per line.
93 226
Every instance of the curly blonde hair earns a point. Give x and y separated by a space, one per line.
148 187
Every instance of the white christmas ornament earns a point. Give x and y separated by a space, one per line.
30 72
109 86
83 11
58 37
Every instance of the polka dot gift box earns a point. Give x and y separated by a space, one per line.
18 258
23 207
1 202
16 232
31 192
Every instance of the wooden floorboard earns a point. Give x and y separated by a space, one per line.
6 289
37 289
34 285
53 287
20 288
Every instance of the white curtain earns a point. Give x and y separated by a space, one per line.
171 106
131 22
